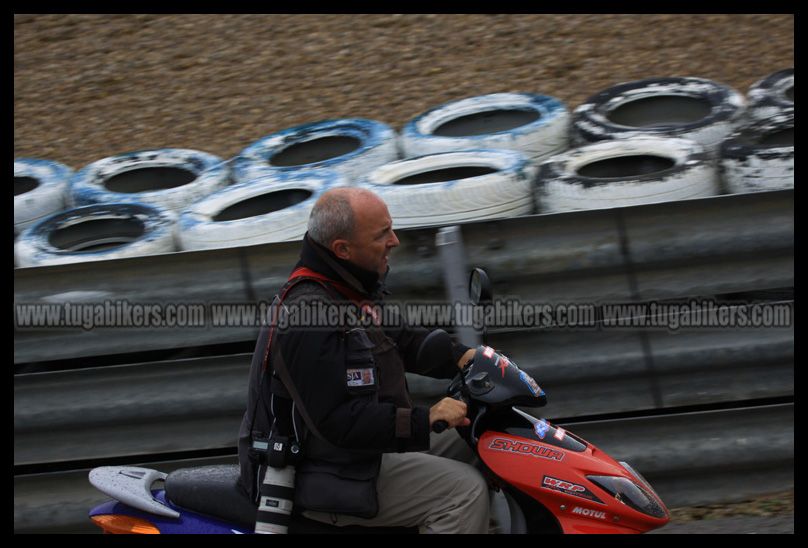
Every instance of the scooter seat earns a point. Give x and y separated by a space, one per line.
211 490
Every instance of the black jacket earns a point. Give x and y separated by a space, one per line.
327 366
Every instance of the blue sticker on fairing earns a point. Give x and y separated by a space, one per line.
528 380
541 429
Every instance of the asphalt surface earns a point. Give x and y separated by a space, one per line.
746 525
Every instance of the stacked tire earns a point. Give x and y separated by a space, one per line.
535 125
350 147
760 156
452 187
635 170
687 108
274 207
40 190
96 232
168 178
772 96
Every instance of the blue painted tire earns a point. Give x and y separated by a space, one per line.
40 190
688 108
772 96
171 178
535 125
452 187
97 232
272 208
351 147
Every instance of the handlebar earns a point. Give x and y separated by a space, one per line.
454 391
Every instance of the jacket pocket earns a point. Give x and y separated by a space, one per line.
329 487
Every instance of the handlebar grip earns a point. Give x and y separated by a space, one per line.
439 426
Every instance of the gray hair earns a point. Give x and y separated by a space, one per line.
331 218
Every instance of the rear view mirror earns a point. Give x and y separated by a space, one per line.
480 291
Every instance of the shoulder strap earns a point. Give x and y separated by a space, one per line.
280 366
303 274
278 363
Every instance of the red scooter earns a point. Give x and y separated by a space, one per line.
553 481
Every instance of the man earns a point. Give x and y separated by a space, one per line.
368 422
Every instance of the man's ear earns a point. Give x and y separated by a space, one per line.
341 249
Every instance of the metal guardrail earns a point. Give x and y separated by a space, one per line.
198 403
670 250
685 457
706 246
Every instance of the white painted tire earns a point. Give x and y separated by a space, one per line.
772 96
760 156
273 208
122 230
171 178
40 190
689 108
624 172
351 147
536 125
451 187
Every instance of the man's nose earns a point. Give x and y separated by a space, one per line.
394 242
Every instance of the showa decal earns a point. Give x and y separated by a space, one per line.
541 429
533 385
522 448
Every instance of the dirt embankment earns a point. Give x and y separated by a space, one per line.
90 86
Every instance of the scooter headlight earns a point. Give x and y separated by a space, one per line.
630 494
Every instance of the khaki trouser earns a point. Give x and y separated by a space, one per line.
436 491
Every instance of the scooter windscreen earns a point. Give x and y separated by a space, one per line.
495 380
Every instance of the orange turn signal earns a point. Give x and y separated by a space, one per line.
124 525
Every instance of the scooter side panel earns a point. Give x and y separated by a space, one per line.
556 477
188 522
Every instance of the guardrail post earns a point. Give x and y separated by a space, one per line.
449 241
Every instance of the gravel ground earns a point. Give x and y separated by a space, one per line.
90 86
768 514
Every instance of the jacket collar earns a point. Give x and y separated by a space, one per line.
322 260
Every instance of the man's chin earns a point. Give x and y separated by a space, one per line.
383 274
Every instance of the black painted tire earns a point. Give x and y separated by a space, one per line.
351 147
40 190
97 232
760 156
689 108
772 96
623 172
171 178
274 208
451 187
535 125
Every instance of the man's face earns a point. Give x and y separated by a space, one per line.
373 237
